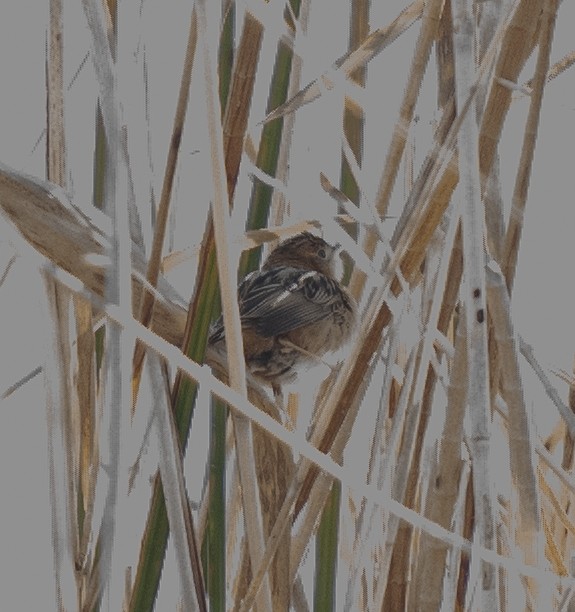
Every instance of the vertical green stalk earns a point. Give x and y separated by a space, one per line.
215 541
353 117
214 544
326 553
268 152
353 126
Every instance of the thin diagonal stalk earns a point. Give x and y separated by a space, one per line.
566 414
514 229
427 35
155 260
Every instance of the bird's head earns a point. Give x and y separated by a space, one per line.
304 251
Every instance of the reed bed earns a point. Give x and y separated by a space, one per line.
412 471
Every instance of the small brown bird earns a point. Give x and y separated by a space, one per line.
292 311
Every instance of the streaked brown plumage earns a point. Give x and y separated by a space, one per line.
292 310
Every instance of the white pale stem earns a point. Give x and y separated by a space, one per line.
474 297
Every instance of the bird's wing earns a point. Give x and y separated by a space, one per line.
276 301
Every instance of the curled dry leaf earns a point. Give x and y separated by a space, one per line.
49 222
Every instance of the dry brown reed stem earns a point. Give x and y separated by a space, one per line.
519 200
443 484
274 464
563 538
490 15
520 444
234 129
398 533
444 57
516 47
69 438
238 106
551 524
155 260
61 431
86 392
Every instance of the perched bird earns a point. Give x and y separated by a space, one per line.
292 311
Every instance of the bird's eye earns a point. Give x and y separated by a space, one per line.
322 253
